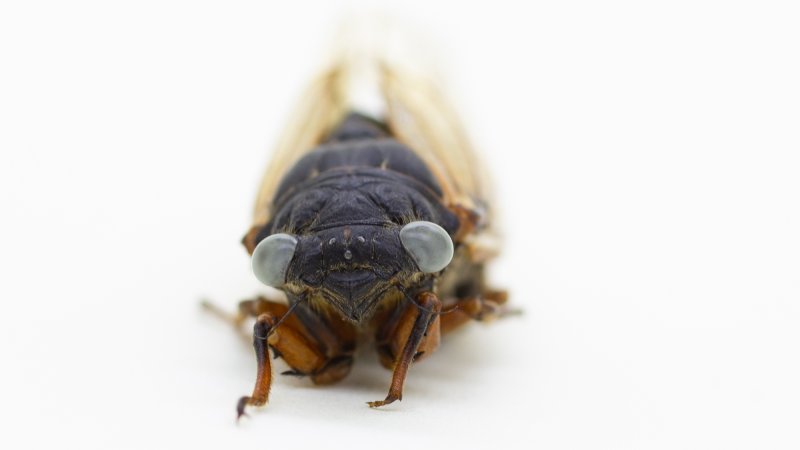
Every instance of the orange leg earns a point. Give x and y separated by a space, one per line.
324 355
247 309
484 308
411 333
260 394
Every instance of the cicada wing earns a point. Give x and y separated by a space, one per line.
319 110
419 115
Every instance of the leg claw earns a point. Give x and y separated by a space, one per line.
379 403
240 405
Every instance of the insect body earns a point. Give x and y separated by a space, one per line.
371 226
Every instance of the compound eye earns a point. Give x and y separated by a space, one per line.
428 244
271 258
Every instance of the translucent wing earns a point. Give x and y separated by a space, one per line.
321 108
419 115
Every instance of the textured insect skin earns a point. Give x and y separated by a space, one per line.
346 202
376 230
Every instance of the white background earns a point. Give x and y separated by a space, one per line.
646 159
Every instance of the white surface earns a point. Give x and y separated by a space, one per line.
646 160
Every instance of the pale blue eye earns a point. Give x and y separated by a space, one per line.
428 244
271 258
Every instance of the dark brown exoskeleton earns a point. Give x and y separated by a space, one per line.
371 226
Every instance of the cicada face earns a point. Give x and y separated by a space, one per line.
357 217
350 268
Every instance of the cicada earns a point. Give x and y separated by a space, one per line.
376 227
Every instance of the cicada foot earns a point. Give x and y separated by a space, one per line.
389 399
413 333
243 403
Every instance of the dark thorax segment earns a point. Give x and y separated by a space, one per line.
358 176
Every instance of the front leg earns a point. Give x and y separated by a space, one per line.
310 344
260 395
417 329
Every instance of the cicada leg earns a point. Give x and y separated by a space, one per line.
406 337
260 394
247 309
324 355
485 307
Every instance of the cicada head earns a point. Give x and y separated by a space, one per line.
353 267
